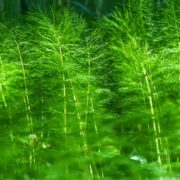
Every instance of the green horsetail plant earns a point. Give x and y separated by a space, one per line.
52 104
145 77
9 77
16 105
77 103
14 96
166 26
63 88
27 105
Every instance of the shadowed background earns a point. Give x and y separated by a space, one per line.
91 8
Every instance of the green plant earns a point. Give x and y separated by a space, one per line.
65 62
145 77
83 103
58 86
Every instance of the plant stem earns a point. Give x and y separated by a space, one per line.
64 105
152 110
32 136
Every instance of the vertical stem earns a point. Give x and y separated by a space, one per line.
76 102
88 90
64 106
42 117
168 155
87 107
82 124
1 88
89 102
32 136
26 98
152 110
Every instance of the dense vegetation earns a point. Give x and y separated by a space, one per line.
83 102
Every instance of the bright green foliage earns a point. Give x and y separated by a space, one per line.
50 95
77 103
62 82
146 86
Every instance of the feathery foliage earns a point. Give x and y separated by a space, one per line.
82 103
145 81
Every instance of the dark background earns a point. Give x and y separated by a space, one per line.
90 8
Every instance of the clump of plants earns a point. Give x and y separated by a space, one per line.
91 103
145 80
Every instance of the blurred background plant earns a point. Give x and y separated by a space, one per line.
92 9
